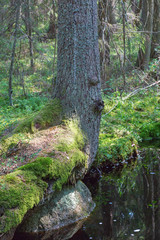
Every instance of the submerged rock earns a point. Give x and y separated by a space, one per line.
66 207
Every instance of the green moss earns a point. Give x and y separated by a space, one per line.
9 142
24 188
74 140
41 167
22 191
48 116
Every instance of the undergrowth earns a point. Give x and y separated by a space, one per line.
131 121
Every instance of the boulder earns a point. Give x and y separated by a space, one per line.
72 204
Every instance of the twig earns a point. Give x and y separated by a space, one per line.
111 109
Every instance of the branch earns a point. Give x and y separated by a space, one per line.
140 89
132 94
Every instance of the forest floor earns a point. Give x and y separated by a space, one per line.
41 144
124 123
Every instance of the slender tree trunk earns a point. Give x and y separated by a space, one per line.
54 63
106 16
147 26
156 29
29 31
134 6
52 24
111 11
13 52
124 46
147 20
78 77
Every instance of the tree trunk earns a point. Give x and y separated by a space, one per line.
156 29
147 26
13 52
111 11
134 6
78 78
147 20
52 23
29 31
106 16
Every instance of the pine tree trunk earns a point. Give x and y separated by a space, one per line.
78 78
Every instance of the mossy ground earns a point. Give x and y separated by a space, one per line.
48 116
25 187
58 150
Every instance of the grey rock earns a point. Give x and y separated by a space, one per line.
61 209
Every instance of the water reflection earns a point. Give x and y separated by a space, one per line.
128 206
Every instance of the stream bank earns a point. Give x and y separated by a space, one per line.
127 201
65 161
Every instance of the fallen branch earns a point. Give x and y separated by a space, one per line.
140 89
132 94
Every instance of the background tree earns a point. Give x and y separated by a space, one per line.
18 4
36 45
156 30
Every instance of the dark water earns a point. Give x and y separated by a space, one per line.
128 203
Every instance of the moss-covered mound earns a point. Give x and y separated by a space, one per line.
49 115
22 189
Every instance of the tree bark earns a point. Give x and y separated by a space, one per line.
78 69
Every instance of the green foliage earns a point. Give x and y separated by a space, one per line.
131 121
22 107
49 115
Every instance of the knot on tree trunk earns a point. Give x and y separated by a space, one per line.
98 105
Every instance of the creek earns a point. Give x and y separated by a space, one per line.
127 203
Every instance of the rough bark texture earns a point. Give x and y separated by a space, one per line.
78 79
